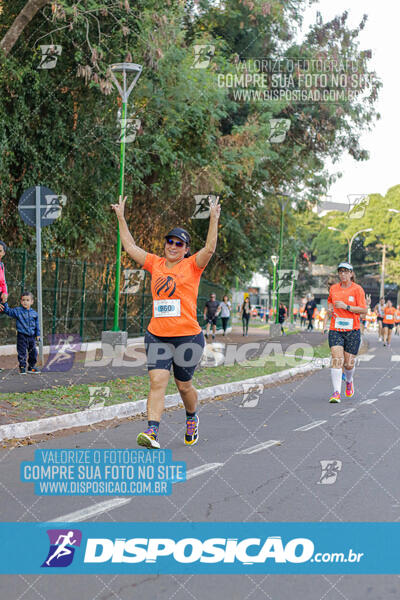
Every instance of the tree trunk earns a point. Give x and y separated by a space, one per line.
21 21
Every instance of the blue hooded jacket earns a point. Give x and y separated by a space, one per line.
27 320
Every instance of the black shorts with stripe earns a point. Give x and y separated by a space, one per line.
349 340
182 353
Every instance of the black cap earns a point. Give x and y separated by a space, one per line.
179 233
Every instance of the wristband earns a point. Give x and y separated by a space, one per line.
348 308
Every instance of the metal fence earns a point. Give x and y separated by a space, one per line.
79 297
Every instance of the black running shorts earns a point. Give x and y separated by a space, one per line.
350 340
182 353
388 325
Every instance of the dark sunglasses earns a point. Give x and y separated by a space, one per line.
172 242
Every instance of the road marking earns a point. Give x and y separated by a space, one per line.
395 358
386 393
259 447
92 511
102 507
310 426
366 357
344 412
202 469
369 401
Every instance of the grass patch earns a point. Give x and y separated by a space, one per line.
67 399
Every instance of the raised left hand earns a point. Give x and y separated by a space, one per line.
215 207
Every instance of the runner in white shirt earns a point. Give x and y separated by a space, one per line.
226 308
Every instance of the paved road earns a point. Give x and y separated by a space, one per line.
253 482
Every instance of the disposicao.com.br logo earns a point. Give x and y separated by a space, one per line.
248 551
62 547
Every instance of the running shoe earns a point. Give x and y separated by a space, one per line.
148 438
33 370
192 430
335 398
22 370
349 389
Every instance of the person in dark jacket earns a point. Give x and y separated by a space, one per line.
282 314
310 308
27 322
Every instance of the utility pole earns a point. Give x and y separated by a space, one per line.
382 289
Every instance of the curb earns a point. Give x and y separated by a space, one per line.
130 409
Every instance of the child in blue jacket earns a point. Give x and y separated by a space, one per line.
28 331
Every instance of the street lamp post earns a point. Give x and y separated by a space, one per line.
283 204
124 90
382 282
354 237
274 262
350 240
291 298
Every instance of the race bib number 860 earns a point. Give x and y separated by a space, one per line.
167 308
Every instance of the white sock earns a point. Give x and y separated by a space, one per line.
336 376
349 374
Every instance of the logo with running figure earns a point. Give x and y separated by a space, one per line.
62 547
164 285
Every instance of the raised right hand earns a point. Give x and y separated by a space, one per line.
119 208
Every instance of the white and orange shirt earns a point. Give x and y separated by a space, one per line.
389 315
343 319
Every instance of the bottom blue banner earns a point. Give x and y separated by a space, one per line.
302 548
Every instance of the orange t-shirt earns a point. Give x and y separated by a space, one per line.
174 290
397 316
389 315
353 296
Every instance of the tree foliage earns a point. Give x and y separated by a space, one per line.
59 126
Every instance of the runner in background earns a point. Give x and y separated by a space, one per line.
370 319
346 302
211 312
245 310
322 318
388 322
295 313
397 321
225 307
174 336
271 315
310 308
380 309
363 318
302 316
282 316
